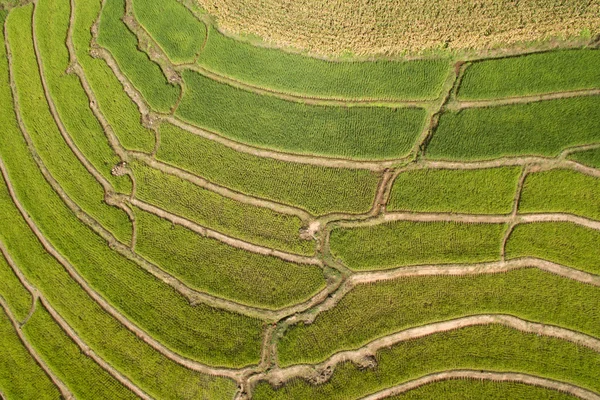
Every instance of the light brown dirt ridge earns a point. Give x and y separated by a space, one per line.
62 388
488 376
37 295
365 356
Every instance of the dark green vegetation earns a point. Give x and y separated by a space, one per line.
547 72
543 128
484 191
141 254
402 243
355 132
295 73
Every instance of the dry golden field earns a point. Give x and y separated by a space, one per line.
391 27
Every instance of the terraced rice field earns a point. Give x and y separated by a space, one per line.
186 215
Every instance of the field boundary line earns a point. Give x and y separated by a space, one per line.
493 376
458 104
105 305
221 190
365 356
66 328
229 240
62 388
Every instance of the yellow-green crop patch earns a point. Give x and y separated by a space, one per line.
18 299
561 242
474 389
492 347
403 243
223 270
374 310
318 190
478 191
20 376
561 190
337 131
258 225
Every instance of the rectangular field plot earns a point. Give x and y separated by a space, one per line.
374 310
145 75
120 111
402 243
490 348
84 378
479 191
475 389
318 190
12 291
222 270
181 41
544 128
266 121
244 221
20 376
560 242
561 190
295 73
531 74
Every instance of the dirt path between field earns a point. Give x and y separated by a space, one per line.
365 356
462 104
85 349
487 376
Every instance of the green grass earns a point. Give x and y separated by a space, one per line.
72 104
145 75
16 296
478 191
561 242
84 378
64 166
20 376
254 224
181 41
531 74
471 389
266 121
494 347
199 332
561 190
318 190
296 73
222 270
115 105
371 311
591 158
543 128
402 243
